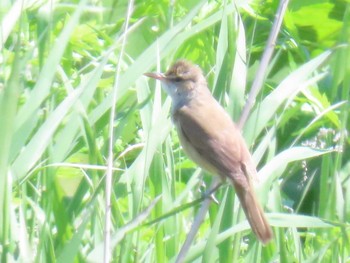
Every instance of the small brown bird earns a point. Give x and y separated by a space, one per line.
211 139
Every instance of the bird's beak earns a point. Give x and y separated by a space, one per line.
155 75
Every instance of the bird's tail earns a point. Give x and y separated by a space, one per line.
254 214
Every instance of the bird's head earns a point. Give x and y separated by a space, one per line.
181 80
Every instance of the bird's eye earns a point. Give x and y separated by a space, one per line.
177 79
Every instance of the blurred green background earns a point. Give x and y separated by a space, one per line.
62 61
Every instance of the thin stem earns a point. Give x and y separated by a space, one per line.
265 60
109 174
198 220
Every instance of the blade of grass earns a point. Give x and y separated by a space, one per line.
8 109
259 79
42 138
43 84
97 252
288 87
10 19
71 249
110 161
210 247
280 161
276 219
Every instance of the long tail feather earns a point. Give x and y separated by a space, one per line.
255 214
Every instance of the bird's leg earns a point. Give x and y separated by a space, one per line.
210 192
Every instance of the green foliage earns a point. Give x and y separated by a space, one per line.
58 74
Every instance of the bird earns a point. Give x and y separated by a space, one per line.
211 139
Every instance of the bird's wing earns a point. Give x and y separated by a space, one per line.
222 147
